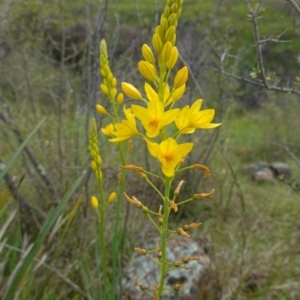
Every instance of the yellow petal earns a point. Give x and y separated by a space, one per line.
183 118
185 149
153 148
168 171
169 116
150 93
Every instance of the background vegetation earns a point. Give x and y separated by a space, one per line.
251 229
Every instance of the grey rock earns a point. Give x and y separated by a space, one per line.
147 271
264 175
281 169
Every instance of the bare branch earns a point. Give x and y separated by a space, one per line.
294 5
292 155
253 18
263 80
260 83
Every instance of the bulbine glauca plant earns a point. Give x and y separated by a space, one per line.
157 109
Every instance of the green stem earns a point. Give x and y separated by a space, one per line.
117 241
101 222
163 238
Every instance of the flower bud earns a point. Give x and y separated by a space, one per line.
94 165
170 33
173 20
166 51
98 160
120 98
164 24
131 91
113 92
177 94
173 58
157 43
100 109
110 76
94 202
104 88
181 77
112 197
114 82
148 54
147 70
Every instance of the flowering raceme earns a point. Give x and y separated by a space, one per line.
156 108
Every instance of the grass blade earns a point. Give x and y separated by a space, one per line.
50 220
9 164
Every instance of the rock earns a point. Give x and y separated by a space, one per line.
251 169
264 175
281 169
194 278
262 171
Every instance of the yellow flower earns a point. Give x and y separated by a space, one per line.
190 118
153 117
126 129
169 153
108 129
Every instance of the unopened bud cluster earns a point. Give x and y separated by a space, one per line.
94 150
109 84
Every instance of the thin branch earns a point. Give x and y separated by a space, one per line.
260 83
258 44
235 180
292 155
294 5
